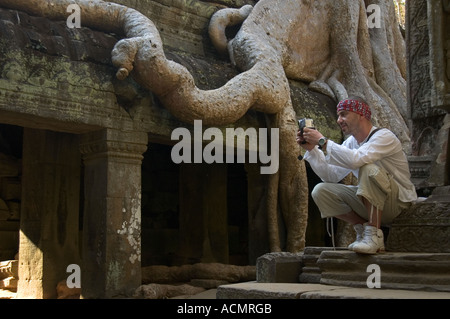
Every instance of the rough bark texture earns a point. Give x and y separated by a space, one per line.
326 43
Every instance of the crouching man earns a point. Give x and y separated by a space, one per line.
375 156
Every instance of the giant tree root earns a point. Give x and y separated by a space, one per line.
185 273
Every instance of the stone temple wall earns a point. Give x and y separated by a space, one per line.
427 40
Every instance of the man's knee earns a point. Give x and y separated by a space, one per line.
319 191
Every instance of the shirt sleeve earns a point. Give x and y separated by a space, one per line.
327 172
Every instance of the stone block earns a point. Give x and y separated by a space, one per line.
279 267
424 227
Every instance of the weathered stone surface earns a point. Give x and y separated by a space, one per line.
254 290
279 267
111 257
311 272
428 91
412 271
424 227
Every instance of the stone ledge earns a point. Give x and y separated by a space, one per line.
255 290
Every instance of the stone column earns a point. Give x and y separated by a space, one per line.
49 211
111 256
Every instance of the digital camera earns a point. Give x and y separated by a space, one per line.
302 123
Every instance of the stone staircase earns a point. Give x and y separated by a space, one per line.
341 267
325 272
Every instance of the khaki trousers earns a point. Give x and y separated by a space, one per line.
374 183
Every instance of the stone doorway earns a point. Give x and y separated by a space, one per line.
39 225
49 180
10 189
192 212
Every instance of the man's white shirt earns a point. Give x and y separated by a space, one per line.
383 149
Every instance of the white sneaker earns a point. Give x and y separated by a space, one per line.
359 229
370 244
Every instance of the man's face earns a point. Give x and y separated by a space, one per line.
349 122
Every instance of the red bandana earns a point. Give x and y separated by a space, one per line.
355 106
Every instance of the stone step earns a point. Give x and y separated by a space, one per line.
397 270
255 290
311 272
341 267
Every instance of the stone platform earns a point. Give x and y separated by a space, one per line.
326 272
255 290
397 270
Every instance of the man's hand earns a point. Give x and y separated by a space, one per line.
310 136
302 141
